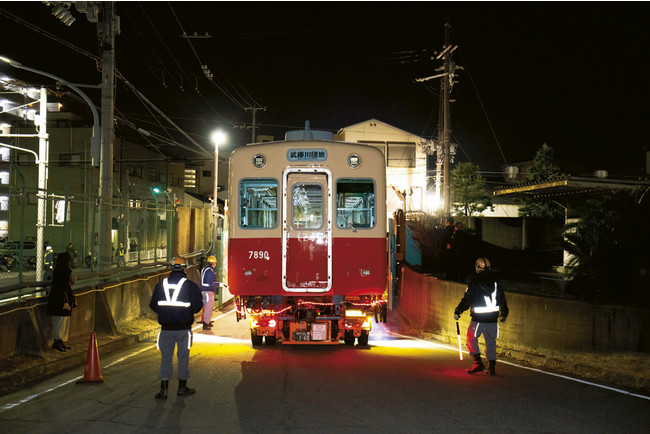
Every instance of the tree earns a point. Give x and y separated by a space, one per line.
610 260
469 193
543 169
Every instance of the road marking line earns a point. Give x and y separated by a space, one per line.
51 389
602 386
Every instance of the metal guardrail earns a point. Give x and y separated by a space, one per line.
11 290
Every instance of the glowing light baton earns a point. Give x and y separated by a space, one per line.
460 351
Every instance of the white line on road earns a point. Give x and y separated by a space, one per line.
577 380
65 383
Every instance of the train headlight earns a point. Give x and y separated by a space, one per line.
354 161
259 161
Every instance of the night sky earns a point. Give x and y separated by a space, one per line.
573 75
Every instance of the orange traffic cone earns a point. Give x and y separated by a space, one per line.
92 373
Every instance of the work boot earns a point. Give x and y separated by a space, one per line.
58 345
490 369
207 326
65 346
183 390
478 365
164 385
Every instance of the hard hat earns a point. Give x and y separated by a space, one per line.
212 260
482 264
49 248
178 263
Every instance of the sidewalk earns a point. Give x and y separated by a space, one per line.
22 370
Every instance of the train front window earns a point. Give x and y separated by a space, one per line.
355 204
307 206
258 203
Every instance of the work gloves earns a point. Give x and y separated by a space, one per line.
503 319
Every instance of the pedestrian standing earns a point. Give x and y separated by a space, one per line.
175 299
208 289
61 301
120 255
485 299
73 254
48 262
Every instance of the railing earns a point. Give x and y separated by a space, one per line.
12 290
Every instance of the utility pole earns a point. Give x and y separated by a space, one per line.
254 110
444 122
446 130
106 35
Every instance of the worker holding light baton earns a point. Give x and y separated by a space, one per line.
486 300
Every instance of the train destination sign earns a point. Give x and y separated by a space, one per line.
306 155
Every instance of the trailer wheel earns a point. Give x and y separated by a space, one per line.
349 337
256 339
270 340
363 338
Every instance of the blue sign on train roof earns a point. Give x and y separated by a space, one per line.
306 155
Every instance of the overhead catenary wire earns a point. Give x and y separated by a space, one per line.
118 74
211 77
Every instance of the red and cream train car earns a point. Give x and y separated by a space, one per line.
307 259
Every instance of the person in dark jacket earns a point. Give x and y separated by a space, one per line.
175 299
61 300
120 256
208 289
486 300
48 262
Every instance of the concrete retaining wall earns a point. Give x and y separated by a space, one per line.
534 321
26 328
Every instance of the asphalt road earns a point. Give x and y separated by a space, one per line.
395 385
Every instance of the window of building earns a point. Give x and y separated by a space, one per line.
307 210
355 203
258 203
4 203
5 153
190 178
71 160
4 178
401 154
135 203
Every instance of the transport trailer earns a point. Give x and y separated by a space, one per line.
307 246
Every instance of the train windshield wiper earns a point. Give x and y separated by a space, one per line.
347 222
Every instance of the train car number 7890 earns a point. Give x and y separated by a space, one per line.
258 254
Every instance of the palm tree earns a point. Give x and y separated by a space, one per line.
609 247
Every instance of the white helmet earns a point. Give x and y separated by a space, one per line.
49 248
482 264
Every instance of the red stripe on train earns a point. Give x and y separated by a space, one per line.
358 266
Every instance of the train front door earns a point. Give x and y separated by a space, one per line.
307 231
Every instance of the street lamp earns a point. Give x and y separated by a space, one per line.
218 138
42 161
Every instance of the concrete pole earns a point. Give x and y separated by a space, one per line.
107 37
41 218
215 206
446 124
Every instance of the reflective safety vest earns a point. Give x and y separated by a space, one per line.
205 286
490 303
171 299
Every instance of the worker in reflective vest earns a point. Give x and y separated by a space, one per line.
175 299
120 256
486 300
208 288
48 262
